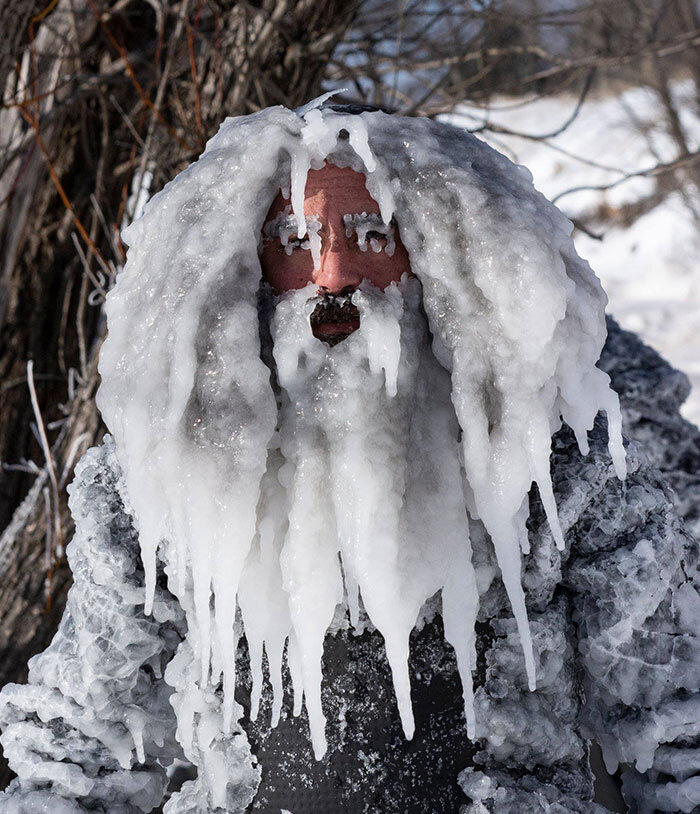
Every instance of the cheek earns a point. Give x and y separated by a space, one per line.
381 270
286 272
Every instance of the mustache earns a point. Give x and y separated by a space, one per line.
334 308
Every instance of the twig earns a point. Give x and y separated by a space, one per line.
193 69
72 455
496 128
46 449
23 466
20 519
578 224
48 546
662 49
132 76
99 284
40 16
650 172
18 177
32 122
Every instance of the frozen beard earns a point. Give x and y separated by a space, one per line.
368 476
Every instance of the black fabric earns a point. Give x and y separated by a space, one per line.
369 765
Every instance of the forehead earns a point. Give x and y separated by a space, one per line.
332 189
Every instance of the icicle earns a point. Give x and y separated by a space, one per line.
352 591
136 724
508 556
234 537
138 745
314 230
317 102
301 164
380 323
255 650
149 547
312 677
230 642
521 525
611 405
397 656
357 130
460 605
538 454
362 224
202 597
274 651
582 440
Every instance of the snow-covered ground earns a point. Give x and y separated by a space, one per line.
650 270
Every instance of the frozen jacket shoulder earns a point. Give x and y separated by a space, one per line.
87 728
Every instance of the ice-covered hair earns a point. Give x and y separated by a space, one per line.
516 317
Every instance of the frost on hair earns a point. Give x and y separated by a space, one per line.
517 325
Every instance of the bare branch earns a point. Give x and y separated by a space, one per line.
50 467
651 172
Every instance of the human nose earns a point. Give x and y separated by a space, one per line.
338 271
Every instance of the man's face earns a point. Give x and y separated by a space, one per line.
354 246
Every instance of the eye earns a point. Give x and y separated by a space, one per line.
378 241
296 243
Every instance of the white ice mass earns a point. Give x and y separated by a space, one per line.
282 494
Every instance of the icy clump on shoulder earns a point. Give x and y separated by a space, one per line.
227 775
95 710
516 319
499 793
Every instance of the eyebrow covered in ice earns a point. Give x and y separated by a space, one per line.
285 227
363 224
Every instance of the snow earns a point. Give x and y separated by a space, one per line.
250 467
649 269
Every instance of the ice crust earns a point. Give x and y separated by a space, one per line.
517 322
100 716
96 706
